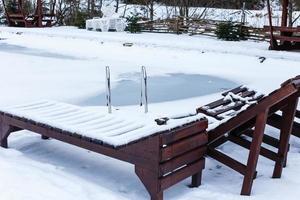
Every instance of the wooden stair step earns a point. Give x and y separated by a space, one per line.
283 29
287 38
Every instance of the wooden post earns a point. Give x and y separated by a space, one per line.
273 42
288 114
150 181
4 133
39 13
284 16
196 179
258 134
6 13
44 137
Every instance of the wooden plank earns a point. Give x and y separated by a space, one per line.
236 106
182 174
255 147
248 93
288 114
215 104
183 132
296 129
282 29
182 160
297 114
226 160
45 131
275 121
235 90
244 93
246 144
266 139
251 112
183 146
287 38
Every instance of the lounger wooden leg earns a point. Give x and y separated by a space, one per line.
151 182
288 114
5 130
44 137
254 153
196 179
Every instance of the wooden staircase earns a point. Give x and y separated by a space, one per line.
19 18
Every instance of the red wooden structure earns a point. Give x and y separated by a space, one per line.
161 159
283 37
17 16
247 127
165 158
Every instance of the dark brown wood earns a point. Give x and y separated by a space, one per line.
240 91
288 114
284 16
287 36
254 152
180 161
182 173
196 179
186 131
245 116
283 29
20 18
266 139
241 126
4 133
184 147
275 121
44 137
235 90
247 144
151 182
227 160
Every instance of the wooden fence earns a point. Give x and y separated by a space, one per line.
194 27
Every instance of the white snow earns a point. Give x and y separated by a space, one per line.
253 18
68 65
111 129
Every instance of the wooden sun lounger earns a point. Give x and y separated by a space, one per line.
246 128
161 159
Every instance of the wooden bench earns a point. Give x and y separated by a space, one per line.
248 113
288 36
176 149
283 29
162 158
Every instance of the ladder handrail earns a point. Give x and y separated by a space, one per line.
108 89
144 88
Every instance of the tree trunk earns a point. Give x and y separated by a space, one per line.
151 10
290 13
117 6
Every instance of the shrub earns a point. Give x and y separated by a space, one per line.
80 19
132 24
231 32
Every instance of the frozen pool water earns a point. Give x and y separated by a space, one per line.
9 48
161 88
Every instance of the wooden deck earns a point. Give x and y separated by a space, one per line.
161 159
176 149
247 127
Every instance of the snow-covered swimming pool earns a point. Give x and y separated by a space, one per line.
10 48
171 87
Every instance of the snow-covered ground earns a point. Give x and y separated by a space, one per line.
67 64
253 18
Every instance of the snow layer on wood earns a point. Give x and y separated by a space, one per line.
105 24
111 129
234 99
